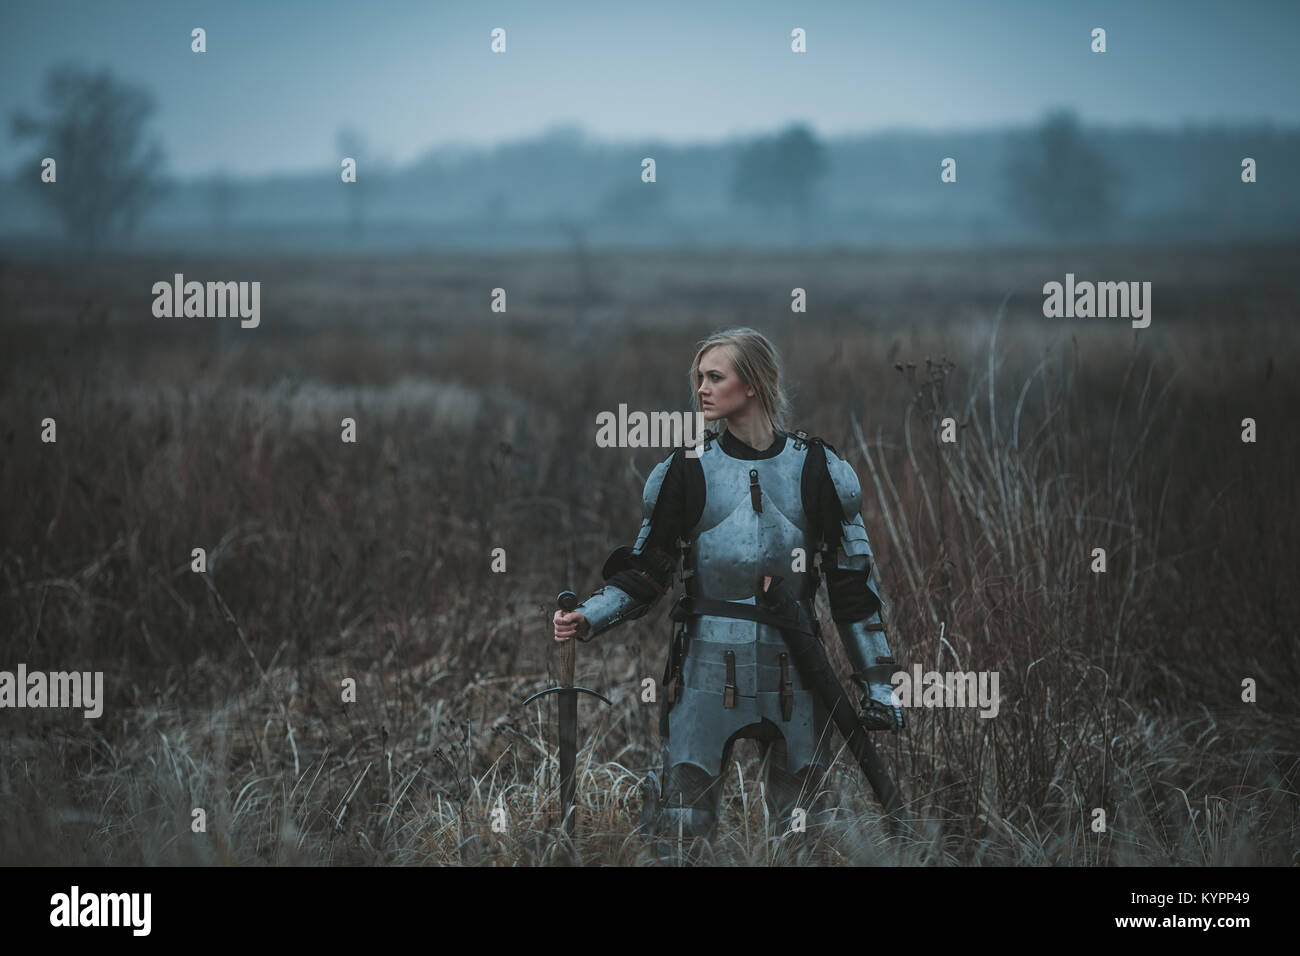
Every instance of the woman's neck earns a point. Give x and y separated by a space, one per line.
756 434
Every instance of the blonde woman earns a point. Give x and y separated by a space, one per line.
740 516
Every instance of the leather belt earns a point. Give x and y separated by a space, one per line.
689 606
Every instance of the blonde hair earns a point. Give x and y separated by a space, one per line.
756 363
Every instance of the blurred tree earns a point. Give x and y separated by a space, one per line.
1057 180
108 176
779 171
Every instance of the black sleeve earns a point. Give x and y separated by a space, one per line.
851 599
647 575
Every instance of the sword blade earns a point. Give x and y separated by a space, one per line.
568 754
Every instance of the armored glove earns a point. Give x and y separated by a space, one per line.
879 712
868 652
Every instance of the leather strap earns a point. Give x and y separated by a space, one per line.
787 689
688 606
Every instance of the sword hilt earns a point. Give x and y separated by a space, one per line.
567 601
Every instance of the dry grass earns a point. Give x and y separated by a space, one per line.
327 561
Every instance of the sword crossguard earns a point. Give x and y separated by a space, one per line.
576 690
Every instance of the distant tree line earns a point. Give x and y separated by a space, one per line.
108 173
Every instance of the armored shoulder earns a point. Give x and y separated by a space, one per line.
653 485
854 551
660 498
847 488
636 576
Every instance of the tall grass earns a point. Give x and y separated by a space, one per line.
1119 690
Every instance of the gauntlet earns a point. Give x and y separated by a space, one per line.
868 653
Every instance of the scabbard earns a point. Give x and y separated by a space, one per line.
810 658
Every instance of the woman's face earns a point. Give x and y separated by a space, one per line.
721 391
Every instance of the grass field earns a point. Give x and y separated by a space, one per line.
372 561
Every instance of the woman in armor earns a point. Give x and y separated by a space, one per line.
747 516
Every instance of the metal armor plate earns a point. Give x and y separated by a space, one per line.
731 548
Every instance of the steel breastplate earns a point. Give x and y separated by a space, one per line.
733 545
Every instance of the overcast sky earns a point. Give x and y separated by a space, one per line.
280 77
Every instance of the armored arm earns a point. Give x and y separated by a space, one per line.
636 577
855 602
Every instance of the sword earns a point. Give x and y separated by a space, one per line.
568 730
810 657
